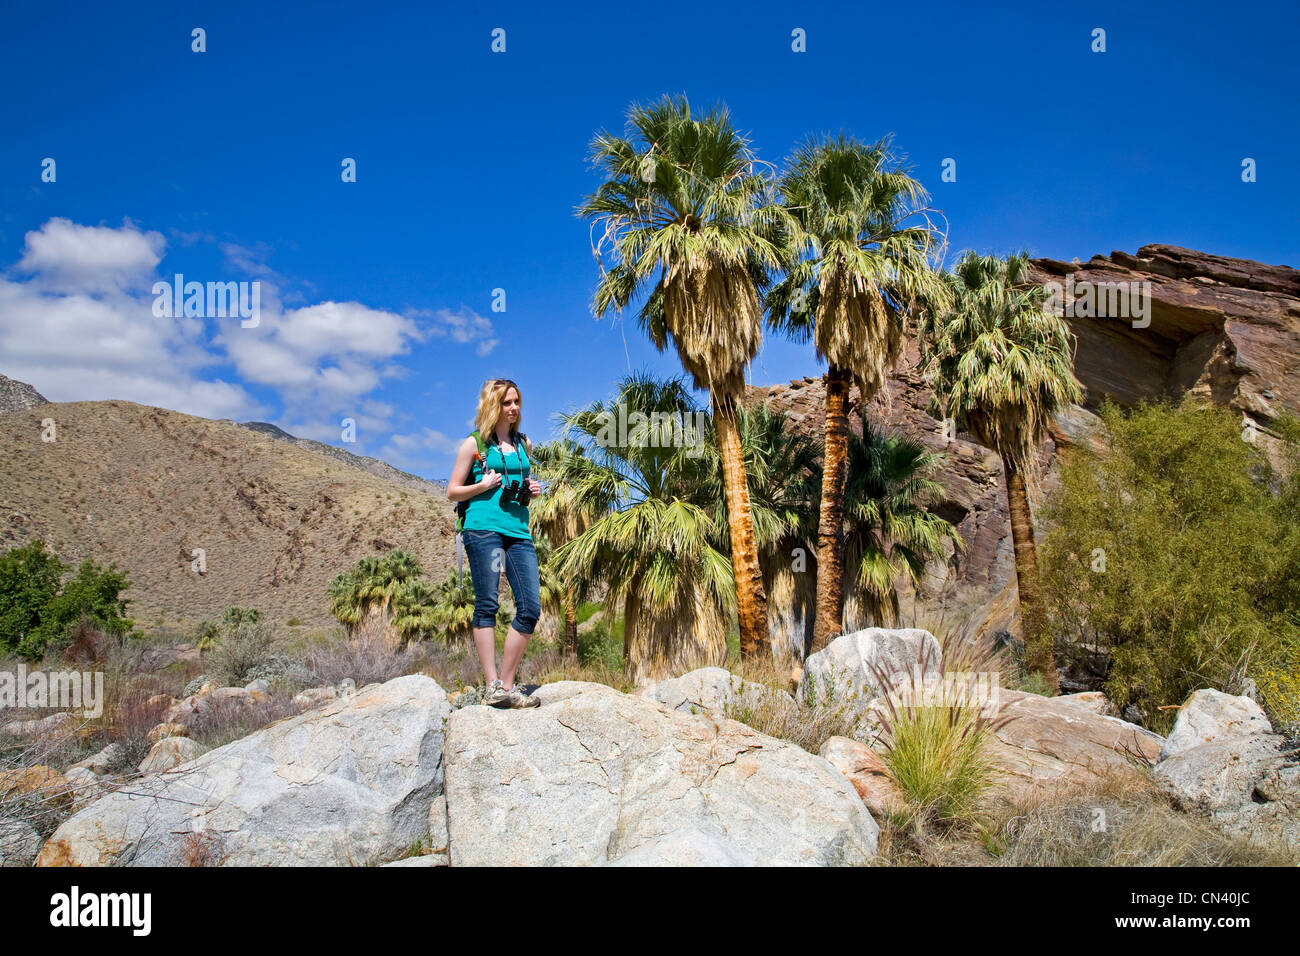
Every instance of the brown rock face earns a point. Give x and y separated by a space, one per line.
1228 329
1225 328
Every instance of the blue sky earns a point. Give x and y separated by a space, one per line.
377 295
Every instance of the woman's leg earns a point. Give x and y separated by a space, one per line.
485 642
484 551
521 572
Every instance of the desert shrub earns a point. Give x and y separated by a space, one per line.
601 646
366 662
243 649
1170 553
29 581
38 609
132 717
1279 692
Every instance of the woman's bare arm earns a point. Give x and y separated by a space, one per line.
457 490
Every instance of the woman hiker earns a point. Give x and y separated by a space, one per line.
494 527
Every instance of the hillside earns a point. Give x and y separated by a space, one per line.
375 466
144 487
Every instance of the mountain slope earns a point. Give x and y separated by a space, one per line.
375 466
144 487
15 395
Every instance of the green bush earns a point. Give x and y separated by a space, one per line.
601 646
1174 552
37 611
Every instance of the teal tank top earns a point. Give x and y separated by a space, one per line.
485 512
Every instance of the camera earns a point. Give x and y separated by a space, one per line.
516 493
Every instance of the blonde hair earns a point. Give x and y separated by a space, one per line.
489 408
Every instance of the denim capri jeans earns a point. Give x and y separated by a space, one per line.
491 552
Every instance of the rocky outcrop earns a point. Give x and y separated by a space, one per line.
15 395
1038 743
169 753
1212 715
102 762
1248 786
866 770
1228 329
351 782
594 777
847 668
58 724
714 690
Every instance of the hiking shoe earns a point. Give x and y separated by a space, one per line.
497 695
519 699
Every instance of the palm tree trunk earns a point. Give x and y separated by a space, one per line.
571 625
1033 625
830 526
751 598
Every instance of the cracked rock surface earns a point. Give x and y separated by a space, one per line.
594 777
351 782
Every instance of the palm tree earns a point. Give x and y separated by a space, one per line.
784 476
652 545
556 519
888 528
1001 368
362 597
415 610
454 608
858 265
685 214
552 594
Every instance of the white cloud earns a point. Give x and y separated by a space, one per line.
321 357
426 451
465 326
64 256
82 326
77 322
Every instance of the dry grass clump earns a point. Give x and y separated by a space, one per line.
1116 822
809 724
931 735
202 848
549 664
